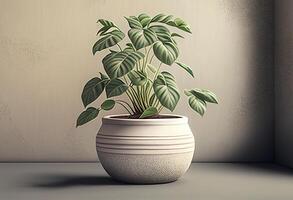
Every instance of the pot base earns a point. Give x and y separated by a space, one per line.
145 169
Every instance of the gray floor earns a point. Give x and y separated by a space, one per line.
203 181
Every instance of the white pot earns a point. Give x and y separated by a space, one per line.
145 151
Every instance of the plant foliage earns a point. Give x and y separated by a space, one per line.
136 70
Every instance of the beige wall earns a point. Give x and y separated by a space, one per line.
45 59
284 82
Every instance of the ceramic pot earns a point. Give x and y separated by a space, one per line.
145 151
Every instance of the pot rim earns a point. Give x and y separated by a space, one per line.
177 119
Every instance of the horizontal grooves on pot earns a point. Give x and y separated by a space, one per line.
168 135
137 137
145 152
145 145
165 143
144 140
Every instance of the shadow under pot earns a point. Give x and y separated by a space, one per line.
145 151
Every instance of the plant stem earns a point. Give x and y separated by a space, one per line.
131 98
124 107
119 47
144 60
158 70
151 60
126 104
136 97
147 55
143 97
160 109
140 98
125 80
155 76
157 102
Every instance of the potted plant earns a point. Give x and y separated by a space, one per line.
142 146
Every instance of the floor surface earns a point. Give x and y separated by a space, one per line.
203 181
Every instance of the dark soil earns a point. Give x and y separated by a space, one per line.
136 116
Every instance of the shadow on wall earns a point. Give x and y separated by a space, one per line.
258 21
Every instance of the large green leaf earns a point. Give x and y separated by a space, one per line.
204 95
119 64
176 35
197 105
141 37
166 90
151 111
179 23
186 68
110 39
163 34
167 19
198 99
92 90
108 57
106 26
133 22
87 115
166 52
108 104
161 18
144 19
115 87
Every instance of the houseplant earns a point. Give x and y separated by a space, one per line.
143 146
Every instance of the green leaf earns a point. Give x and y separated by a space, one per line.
108 57
144 19
179 23
128 49
133 22
204 95
110 39
137 78
166 19
161 18
186 68
141 37
106 26
108 104
166 90
151 111
115 87
92 90
166 52
87 115
119 64
163 34
176 35
198 105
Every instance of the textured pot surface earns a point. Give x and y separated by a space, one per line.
145 150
